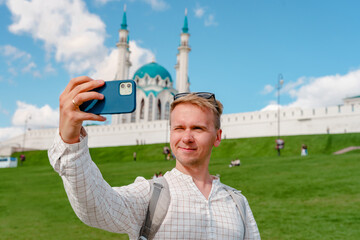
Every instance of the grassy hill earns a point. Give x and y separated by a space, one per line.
292 197
229 149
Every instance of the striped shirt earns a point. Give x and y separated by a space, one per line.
123 209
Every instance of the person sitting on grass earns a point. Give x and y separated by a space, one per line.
235 163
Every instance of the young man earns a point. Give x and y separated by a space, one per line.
200 206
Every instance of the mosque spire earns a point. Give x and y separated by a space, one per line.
123 62
182 65
124 23
185 28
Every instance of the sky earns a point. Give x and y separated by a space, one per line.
240 49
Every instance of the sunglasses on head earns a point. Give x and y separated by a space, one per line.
205 95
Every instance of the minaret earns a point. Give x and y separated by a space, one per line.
123 51
123 66
182 65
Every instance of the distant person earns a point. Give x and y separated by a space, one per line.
201 207
134 156
22 159
235 163
279 145
166 152
304 150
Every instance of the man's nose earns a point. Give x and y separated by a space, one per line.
188 137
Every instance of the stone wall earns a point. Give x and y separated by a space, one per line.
294 121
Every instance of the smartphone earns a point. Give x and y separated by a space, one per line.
119 97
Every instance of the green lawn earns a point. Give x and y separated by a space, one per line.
292 197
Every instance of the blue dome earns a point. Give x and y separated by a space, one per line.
153 69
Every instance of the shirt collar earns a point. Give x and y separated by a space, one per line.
186 177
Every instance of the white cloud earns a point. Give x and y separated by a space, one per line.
139 56
36 117
103 2
106 70
290 87
199 11
49 68
10 132
267 89
210 20
271 107
322 91
68 30
75 36
327 90
3 110
202 13
157 5
18 61
13 53
36 74
29 67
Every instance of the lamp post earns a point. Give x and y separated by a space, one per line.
279 142
28 117
278 87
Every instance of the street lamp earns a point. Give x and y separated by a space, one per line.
279 142
28 117
278 87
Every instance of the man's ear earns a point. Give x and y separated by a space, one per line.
218 138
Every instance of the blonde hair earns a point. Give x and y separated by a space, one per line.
212 104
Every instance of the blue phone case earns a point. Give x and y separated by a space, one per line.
119 97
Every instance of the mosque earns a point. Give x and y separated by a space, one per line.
155 91
155 88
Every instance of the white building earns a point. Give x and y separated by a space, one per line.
155 91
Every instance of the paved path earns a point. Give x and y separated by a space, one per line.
345 150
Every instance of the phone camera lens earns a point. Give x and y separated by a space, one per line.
122 85
128 85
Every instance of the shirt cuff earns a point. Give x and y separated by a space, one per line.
59 148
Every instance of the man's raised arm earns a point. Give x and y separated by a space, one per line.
94 201
77 92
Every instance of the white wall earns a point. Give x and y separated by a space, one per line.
295 121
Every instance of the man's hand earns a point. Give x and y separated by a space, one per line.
71 118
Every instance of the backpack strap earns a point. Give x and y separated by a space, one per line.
157 209
240 204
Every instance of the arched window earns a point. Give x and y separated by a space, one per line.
157 80
150 107
142 109
167 110
123 120
133 117
158 110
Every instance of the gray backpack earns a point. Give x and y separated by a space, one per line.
160 201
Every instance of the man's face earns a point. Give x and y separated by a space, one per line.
193 134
